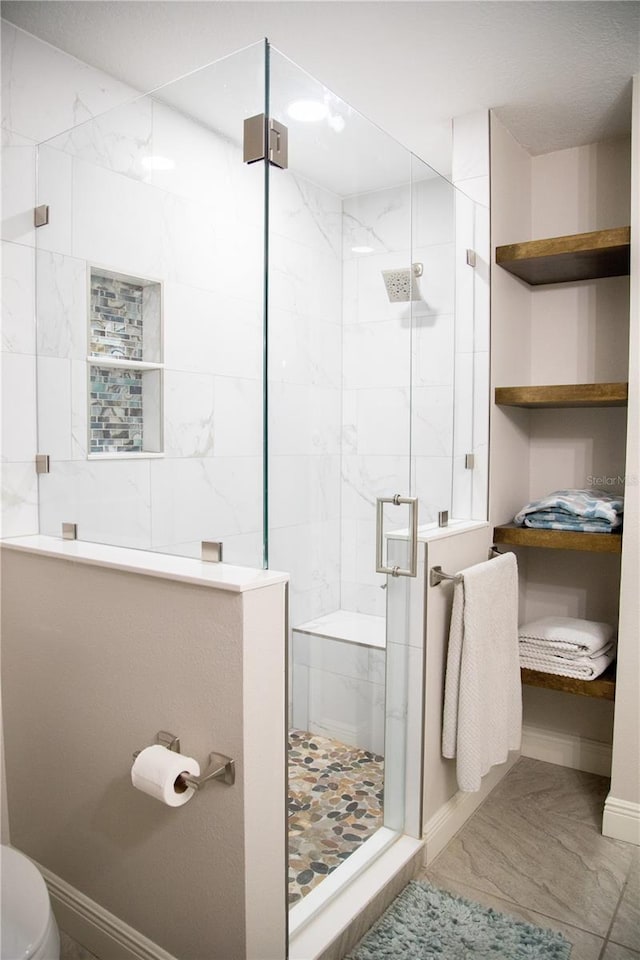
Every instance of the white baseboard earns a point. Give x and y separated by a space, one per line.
452 815
94 927
567 750
621 820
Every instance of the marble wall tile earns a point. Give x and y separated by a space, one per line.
118 140
18 299
189 243
303 280
19 483
18 193
383 421
432 203
376 355
365 478
304 419
237 406
109 500
209 331
477 188
432 486
79 410
61 299
189 416
18 407
205 498
306 212
54 407
462 488
303 489
380 220
362 598
437 283
463 403
432 421
333 656
346 709
131 237
433 350
304 350
45 91
54 187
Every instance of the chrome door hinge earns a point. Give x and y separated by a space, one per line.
42 463
469 461
265 138
471 258
41 215
69 531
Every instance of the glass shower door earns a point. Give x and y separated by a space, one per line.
341 288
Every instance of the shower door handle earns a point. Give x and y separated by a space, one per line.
397 500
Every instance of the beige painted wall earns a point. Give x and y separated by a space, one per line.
95 662
625 776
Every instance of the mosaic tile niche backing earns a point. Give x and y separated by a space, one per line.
124 323
116 318
116 410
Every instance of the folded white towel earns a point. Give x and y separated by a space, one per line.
543 648
584 669
567 635
482 718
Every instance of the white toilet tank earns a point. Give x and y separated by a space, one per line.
29 929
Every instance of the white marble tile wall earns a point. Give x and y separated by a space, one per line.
339 690
197 227
398 370
305 385
471 177
44 91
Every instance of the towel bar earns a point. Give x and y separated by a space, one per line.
437 574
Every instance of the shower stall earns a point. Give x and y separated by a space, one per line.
262 323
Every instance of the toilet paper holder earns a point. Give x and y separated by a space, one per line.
220 767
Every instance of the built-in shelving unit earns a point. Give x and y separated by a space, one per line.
584 256
564 395
518 536
581 256
603 687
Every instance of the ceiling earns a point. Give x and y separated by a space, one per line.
557 73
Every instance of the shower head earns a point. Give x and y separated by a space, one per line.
402 284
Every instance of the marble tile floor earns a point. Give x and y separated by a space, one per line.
534 850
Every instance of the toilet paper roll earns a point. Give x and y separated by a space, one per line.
156 772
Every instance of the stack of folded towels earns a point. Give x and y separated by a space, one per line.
564 645
588 511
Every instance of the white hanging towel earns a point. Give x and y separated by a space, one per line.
483 693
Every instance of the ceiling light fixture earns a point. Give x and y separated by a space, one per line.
158 162
308 111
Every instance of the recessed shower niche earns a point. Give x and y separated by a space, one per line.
125 365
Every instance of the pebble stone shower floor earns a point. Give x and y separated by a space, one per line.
335 804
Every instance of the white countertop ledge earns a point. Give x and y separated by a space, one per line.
221 576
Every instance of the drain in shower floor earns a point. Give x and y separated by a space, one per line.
335 804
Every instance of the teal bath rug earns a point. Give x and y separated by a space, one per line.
428 924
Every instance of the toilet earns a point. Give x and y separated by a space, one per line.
29 929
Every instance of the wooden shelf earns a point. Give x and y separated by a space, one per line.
564 395
519 536
603 687
581 256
